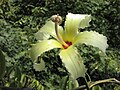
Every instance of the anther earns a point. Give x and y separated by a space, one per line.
56 18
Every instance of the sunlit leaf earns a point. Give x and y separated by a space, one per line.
23 79
117 87
67 83
1 1
2 64
96 88
63 82
18 73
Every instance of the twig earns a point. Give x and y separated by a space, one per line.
98 82
104 81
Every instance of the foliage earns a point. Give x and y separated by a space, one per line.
20 19
2 65
101 66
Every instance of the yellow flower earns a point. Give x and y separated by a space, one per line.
66 39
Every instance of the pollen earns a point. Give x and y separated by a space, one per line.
68 43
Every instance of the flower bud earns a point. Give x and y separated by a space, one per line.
56 18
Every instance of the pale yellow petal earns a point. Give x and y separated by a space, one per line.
92 38
73 62
42 47
74 22
47 30
39 66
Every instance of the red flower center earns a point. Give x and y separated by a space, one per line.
68 43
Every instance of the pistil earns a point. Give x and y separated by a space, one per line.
68 43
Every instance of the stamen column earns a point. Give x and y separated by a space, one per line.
57 20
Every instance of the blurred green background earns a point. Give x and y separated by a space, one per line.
21 19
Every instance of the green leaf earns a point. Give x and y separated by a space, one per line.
18 73
1 1
73 62
63 83
117 87
96 88
42 47
74 22
23 80
98 2
92 38
2 64
68 84
9 70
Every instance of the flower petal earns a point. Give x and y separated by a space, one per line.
42 47
47 30
75 21
73 62
92 38
39 66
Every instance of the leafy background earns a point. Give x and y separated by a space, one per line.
21 19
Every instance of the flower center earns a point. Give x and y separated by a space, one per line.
68 43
